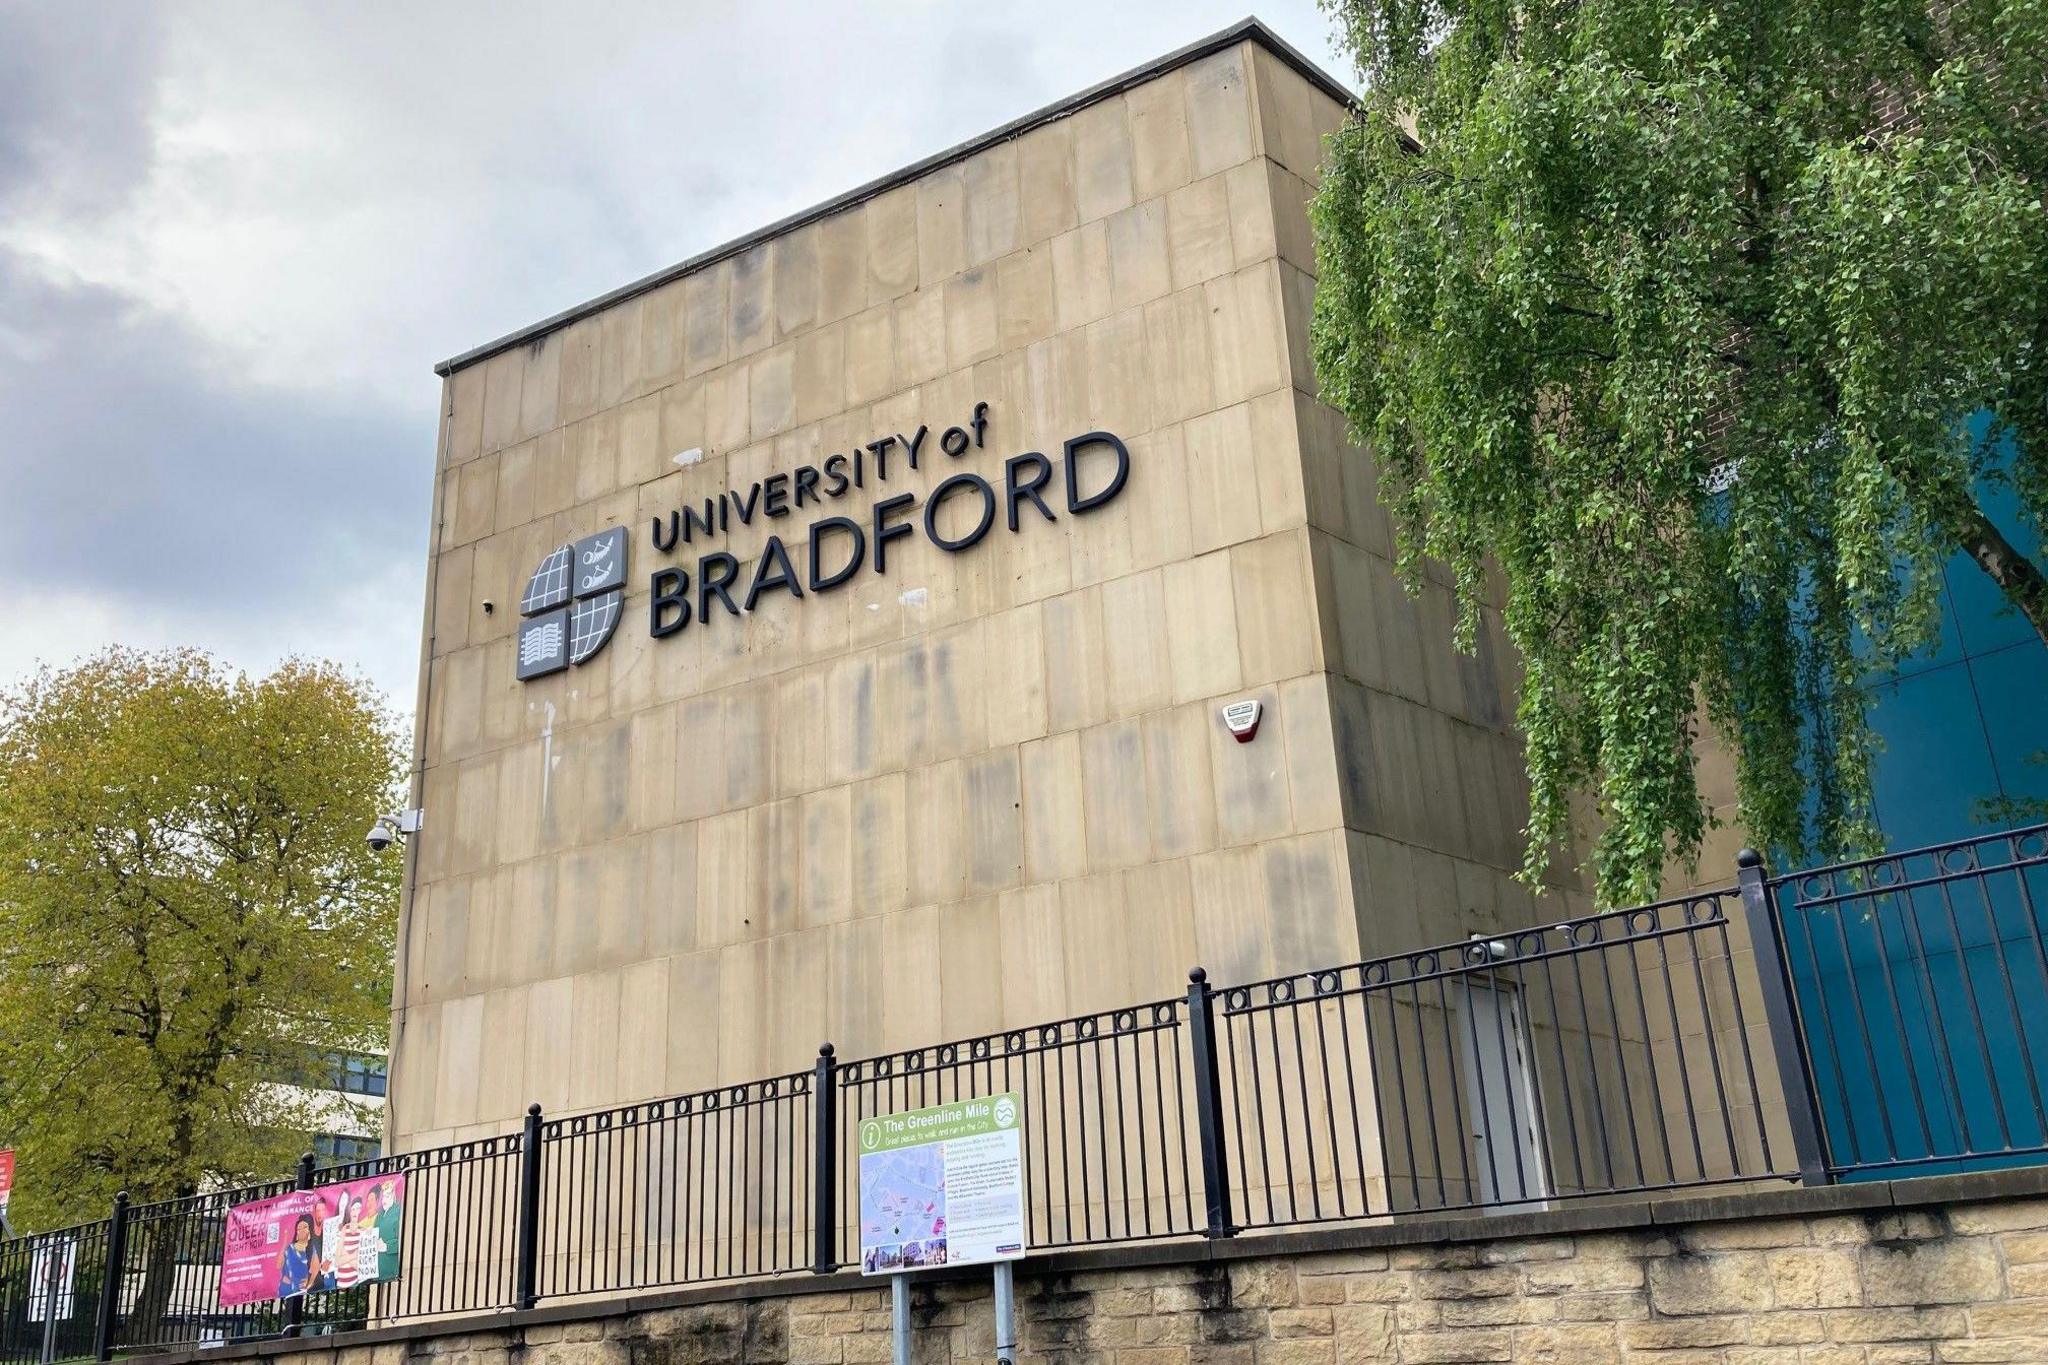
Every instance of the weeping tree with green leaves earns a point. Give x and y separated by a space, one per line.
1710 325
187 909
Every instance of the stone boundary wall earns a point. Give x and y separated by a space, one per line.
1951 1269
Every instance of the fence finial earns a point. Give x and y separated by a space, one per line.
825 1162
1201 1017
1781 1020
116 1273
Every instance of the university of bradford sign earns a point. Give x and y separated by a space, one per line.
574 599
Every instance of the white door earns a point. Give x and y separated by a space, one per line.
1500 1097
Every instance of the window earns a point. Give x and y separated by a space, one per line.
339 1148
361 1075
355 1073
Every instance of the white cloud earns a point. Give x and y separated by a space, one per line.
293 210
373 629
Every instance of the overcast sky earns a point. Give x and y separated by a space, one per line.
234 239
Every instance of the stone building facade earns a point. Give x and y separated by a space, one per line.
982 780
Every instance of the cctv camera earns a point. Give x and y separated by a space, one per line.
388 829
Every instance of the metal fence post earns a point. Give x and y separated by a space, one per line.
295 1310
1788 1046
825 1163
1209 1104
115 1282
526 1249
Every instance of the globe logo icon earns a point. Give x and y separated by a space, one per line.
1006 1112
572 603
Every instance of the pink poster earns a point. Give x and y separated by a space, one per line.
313 1241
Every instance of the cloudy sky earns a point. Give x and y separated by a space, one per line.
234 239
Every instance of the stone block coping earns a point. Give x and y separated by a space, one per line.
1614 1215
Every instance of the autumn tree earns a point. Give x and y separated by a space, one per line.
187 906
1710 325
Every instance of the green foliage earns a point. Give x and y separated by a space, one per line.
185 899
2005 812
1625 249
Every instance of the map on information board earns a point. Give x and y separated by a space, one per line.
942 1186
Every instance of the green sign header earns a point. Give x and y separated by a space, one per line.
940 1123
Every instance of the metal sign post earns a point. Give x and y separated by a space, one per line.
1006 1313
899 1319
50 1294
49 1352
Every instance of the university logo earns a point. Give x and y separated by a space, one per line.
572 604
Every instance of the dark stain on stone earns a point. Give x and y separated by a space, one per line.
1058 1334
1055 1297
649 1351
1233 1324
1211 1285
766 1339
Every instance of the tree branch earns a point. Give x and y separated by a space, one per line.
2018 577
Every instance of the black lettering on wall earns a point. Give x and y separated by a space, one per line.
1016 490
668 609
938 497
703 523
835 476
910 447
826 582
838 546
712 584
880 450
745 506
1076 503
886 532
773 571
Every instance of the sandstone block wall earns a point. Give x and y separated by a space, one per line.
1878 1285
1000 774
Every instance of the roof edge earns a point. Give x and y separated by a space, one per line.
1249 29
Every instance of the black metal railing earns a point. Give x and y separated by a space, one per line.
703 1187
51 1293
1874 1018
458 1237
1107 1127
1608 1055
169 1283
1920 985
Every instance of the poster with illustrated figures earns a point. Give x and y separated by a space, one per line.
313 1241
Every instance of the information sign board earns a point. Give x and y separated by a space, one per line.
942 1186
